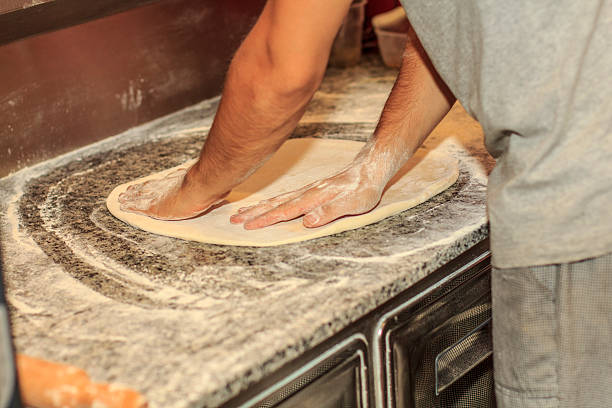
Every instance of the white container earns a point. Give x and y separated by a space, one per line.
346 50
391 30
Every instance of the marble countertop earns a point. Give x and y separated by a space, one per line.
191 324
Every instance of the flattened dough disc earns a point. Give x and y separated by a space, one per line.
296 163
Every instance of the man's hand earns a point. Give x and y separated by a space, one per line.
417 103
355 190
173 197
272 77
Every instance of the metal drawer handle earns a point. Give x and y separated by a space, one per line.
455 361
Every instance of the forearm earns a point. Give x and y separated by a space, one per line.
418 101
272 77
254 117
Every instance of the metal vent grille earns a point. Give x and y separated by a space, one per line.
483 267
467 380
299 383
296 385
467 353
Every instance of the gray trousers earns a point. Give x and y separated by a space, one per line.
552 335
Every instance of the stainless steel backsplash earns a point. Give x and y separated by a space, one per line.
67 88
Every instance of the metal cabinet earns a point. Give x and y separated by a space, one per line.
337 388
336 378
438 352
428 347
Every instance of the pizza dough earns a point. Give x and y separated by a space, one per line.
297 163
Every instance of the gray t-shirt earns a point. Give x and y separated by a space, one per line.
537 75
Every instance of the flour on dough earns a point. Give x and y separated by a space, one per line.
297 163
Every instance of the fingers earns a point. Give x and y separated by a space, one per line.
246 213
322 215
349 192
255 210
318 207
320 203
283 212
273 212
344 204
138 197
148 197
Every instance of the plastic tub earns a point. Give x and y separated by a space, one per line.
346 50
391 30
391 46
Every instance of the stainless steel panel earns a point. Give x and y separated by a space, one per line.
337 389
23 18
401 334
446 327
334 378
460 358
68 88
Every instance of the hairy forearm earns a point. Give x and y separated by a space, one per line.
271 78
418 101
255 116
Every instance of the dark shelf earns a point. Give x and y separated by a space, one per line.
23 18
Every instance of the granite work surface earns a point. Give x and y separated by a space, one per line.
191 324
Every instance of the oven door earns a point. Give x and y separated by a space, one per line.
439 352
